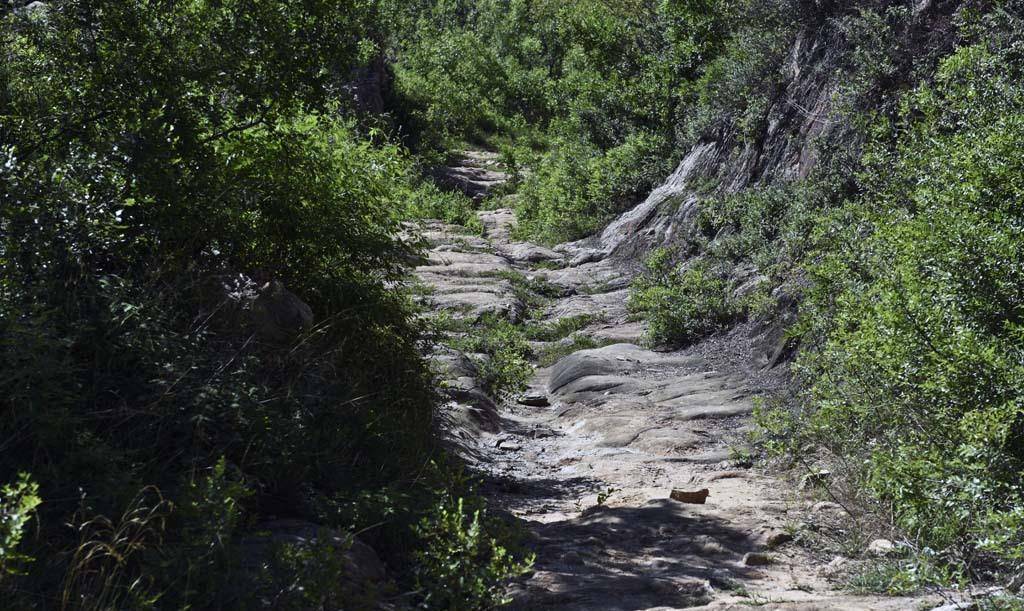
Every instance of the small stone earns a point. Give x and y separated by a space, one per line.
776 538
835 567
696 498
726 475
507 444
826 506
593 541
534 400
815 479
881 548
708 546
756 559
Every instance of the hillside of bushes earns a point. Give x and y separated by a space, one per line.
209 381
864 195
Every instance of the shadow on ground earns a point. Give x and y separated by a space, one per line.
626 558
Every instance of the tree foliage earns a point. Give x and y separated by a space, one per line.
172 175
921 369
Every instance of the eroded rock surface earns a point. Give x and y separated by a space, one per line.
476 173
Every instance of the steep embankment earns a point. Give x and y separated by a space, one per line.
589 456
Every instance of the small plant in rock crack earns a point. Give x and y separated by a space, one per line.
504 366
546 265
561 328
742 456
552 354
532 288
604 495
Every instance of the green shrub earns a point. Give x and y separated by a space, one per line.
446 85
903 577
163 167
460 567
561 328
18 503
504 367
576 188
426 201
681 304
584 95
919 374
734 93
306 576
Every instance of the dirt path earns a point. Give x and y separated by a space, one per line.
588 457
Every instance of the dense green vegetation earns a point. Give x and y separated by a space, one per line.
586 97
180 180
183 183
920 311
680 304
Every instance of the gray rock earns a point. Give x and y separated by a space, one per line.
881 548
278 314
757 559
471 176
958 606
815 479
478 407
33 9
616 359
835 567
524 252
498 223
572 557
588 387
826 507
534 400
452 364
775 538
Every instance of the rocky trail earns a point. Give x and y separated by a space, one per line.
589 456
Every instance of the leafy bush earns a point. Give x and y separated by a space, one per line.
18 502
561 328
461 568
920 370
734 93
504 367
427 201
576 188
583 94
172 176
681 304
